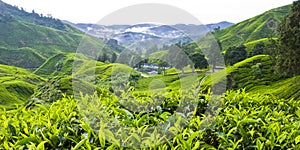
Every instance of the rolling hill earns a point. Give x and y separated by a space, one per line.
31 38
256 75
73 101
67 71
258 27
17 85
9 12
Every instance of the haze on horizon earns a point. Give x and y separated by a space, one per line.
206 11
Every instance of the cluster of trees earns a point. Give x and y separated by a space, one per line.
47 20
181 55
178 55
33 17
188 54
288 52
108 52
235 54
108 58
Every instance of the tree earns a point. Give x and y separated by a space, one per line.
216 29
102 57
137 61
199 60
177 57
163 64
181 60
288 52
235 54
113 57
214 53
257 49
126 57
190 48
114 45
271 48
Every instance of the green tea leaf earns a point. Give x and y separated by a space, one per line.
79 144
297 139
41 146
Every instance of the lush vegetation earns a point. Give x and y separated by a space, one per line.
288 53
287 88
256 75
168 82
99 98
235 54
28 39
17 85
267 42
244 121
17 57
179 55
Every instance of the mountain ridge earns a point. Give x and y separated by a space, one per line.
180 31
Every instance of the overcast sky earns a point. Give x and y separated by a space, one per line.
206 11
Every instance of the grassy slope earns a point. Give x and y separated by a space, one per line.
17 85
9 12
246 74
27 39
16 57
258 27
286 88
168 82
158 55
59 64
89 73
66 62
101 74
241 74
43 41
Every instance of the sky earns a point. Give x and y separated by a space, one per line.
206 11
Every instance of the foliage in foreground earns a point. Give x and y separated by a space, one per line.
245 122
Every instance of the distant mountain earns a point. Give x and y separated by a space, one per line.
222 25
258 27
127 37
139 34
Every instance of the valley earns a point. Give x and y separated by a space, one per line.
71 85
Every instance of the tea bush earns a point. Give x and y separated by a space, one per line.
242 121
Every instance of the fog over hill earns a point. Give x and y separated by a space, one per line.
133 35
